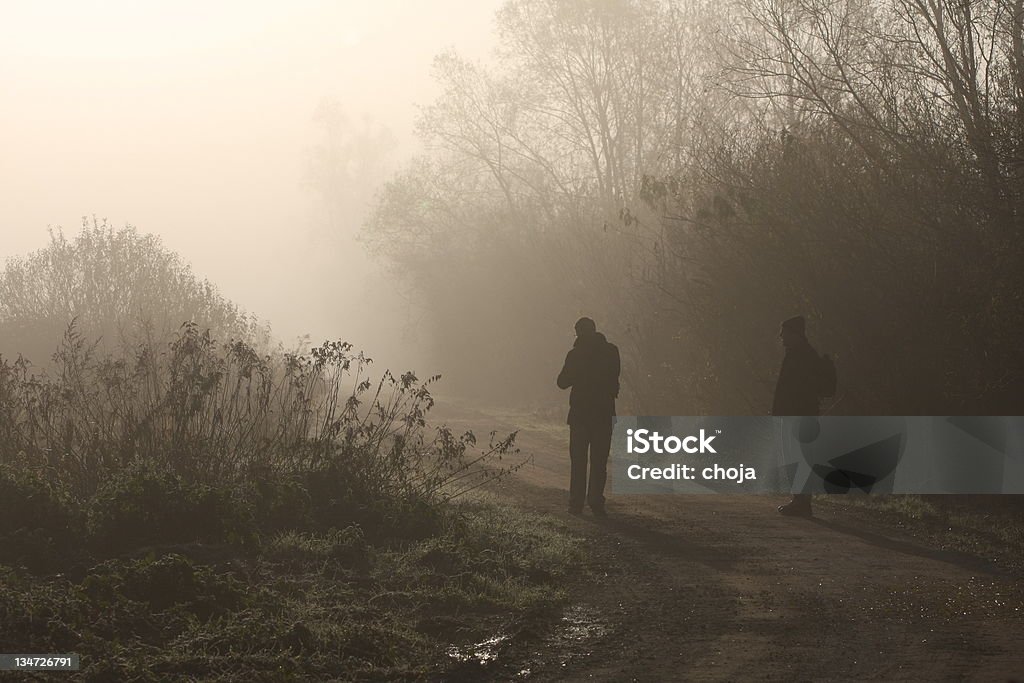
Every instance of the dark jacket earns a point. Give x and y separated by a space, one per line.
592 370
796 392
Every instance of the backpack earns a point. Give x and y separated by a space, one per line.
827 379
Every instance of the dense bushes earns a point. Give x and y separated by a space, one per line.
146 506
40 527
219 413
210 442
29 501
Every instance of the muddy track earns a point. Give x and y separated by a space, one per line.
723 588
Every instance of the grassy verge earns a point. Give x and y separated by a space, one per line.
296 605
989 527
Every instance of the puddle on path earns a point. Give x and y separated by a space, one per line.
529 653
483 653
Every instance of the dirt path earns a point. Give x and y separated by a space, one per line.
723 588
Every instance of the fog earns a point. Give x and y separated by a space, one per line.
199 123
645 164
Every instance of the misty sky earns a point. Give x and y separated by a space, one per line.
194 120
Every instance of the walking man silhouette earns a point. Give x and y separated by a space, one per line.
591 369
796 392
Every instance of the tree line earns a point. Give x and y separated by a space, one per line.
689 173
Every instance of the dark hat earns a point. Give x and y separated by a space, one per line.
795 324
585 326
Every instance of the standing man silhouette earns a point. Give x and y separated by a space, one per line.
796 392
592 370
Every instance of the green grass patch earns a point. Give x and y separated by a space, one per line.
987 526
296 605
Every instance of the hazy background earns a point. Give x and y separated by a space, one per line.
208 125
672 168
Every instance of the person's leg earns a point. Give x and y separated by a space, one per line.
600 445
800 505
579 444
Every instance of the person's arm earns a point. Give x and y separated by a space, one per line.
567 377
617 367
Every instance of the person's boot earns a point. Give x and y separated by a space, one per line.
800 506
